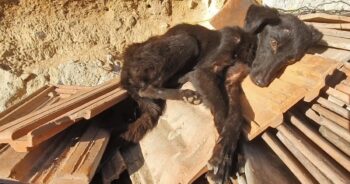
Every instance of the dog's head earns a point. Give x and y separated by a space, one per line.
282 40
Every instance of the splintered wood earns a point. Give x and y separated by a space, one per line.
52 109
264 107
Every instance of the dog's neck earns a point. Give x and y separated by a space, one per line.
247 50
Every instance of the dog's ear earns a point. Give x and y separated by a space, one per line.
316 34
259 16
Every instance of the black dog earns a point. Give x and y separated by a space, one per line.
156 64
151 69
271 42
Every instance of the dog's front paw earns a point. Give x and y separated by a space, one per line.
191 97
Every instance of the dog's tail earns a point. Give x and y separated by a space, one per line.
150 113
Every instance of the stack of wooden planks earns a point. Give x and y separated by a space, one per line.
314 141
34 148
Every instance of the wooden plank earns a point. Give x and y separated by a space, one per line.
100 106
259 118
84 157
65 96
263 107
329 124
46 102
298 170
310 73
71 90
49 129
73 87
346 81
323 17
331 53
314 171
332 116
27 105
15 106
45 114
335 42
336 101
332 151
341 26
332 137
326 166
335 33
66 91
339 95
345 134
334 107
343 88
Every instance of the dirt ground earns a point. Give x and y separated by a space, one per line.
79 42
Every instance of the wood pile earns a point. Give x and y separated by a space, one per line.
314 140
35 149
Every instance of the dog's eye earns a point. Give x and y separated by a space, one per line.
274 45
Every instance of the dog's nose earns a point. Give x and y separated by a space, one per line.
258 80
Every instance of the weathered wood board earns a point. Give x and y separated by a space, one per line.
264 107
52 109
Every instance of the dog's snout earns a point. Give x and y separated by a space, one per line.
258 80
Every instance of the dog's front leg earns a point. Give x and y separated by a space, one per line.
187 95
